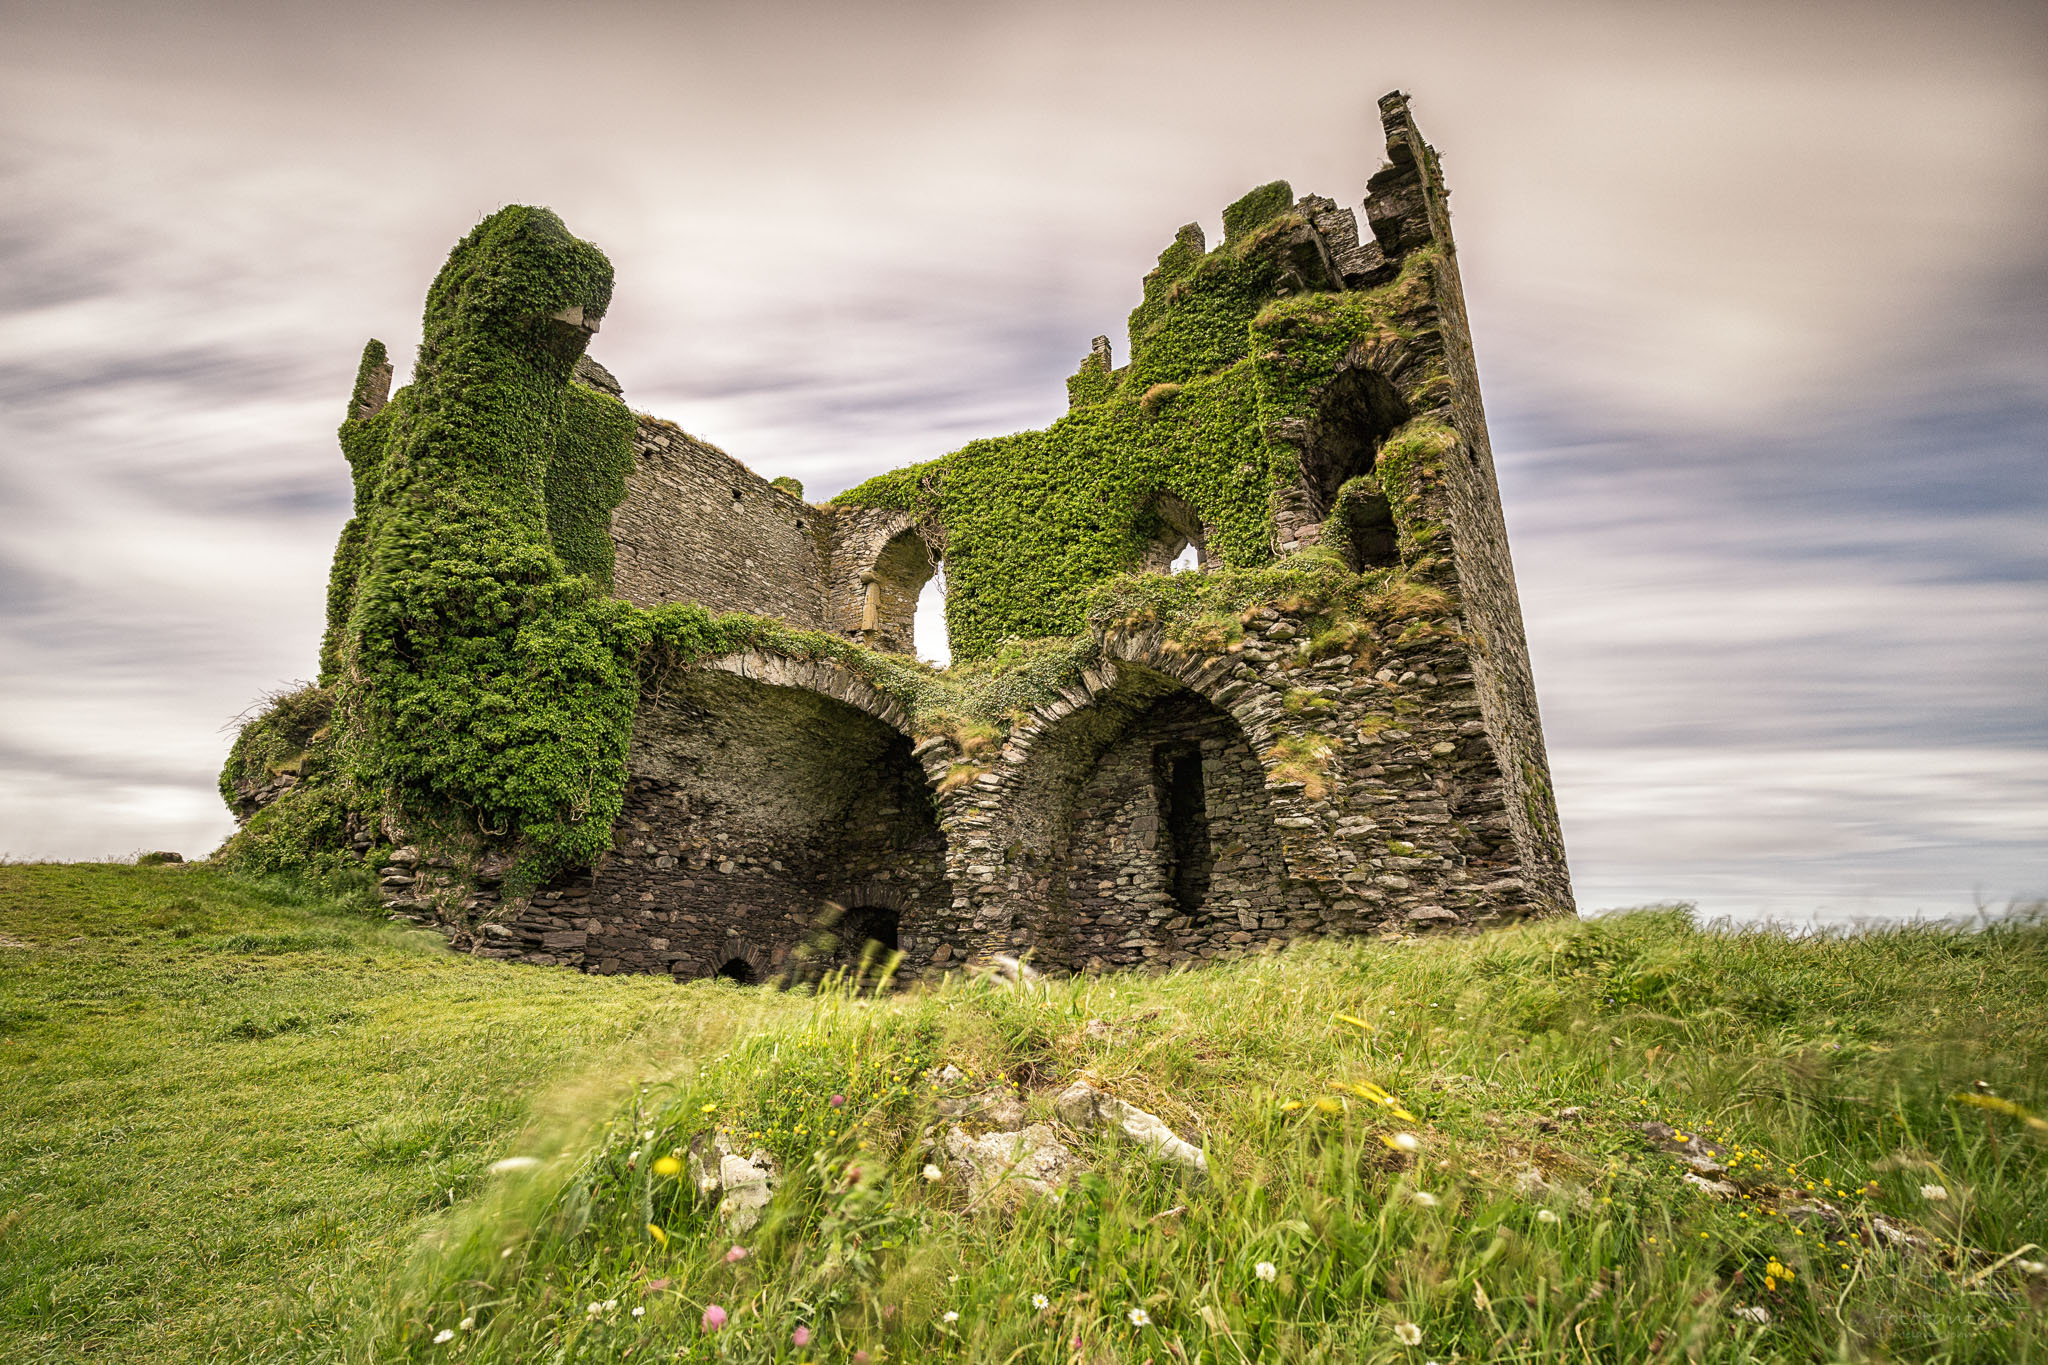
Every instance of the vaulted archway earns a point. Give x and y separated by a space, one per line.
760 787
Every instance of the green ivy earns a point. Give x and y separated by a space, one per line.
478 681
587 479
1227 350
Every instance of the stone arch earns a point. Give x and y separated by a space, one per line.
1088 781
881 560
890 588
827 677
1174 526
761 788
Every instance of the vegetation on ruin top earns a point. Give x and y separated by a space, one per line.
240 1122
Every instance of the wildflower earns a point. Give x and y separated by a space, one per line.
1139 1317
837 1101
443 1337
514 1163
1402 1142
714 1317
736 1254
666 1165
1934 1194
610 1304
467 1324
708 1109
1424 1198
861 1358
801 1336
594 1309
657 1234
932 1173
1546 1216
1040 1302
1759 1315
949 1316
1408 1334
1266 1271
639 1310
1326 1105
1289 1106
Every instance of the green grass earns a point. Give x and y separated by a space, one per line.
268 1138
221 1102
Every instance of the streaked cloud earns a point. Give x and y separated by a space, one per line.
1758 291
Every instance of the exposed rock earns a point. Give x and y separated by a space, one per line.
740 1184
1720 1189
1086 1107
1033 1160
998 1108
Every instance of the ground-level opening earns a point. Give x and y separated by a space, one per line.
1184 811
865 924
1143 833
740 970
750 805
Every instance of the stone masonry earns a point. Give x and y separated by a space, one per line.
1174 805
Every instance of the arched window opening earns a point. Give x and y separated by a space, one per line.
1354 417
1184 812
739 971
1177 540
928 624
892 592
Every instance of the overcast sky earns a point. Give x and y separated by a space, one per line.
1760 296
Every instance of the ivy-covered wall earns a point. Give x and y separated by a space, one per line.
1309 398
1229 350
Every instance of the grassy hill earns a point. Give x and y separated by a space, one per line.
239 1121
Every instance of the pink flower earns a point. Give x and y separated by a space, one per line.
714 1317
861 1358
838 1101
736 1254
800 1337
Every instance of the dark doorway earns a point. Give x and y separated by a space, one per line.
865 924
739 970
1184 813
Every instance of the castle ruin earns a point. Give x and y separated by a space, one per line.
1327 727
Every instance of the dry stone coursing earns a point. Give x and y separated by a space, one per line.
1171 807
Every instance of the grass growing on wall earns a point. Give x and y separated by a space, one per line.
244 1124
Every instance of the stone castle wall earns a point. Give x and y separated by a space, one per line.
1173 805
696 525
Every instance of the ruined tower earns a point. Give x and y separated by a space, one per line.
1328 727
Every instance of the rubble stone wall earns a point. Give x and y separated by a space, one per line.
696 525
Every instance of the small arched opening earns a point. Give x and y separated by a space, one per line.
893 592
739 971
865 924
1361 526
1176 541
